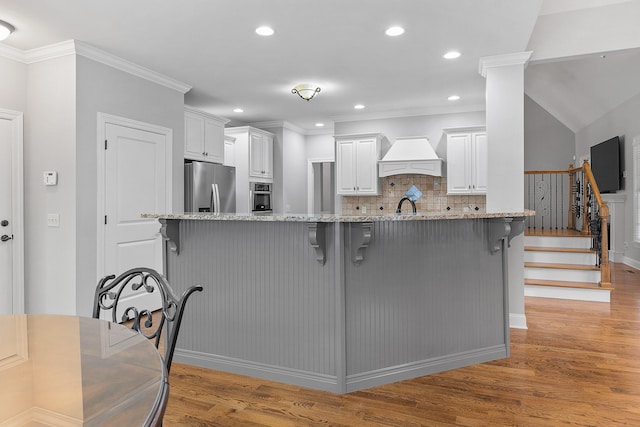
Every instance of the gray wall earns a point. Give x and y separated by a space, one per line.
622 121
61 98
49 144
13 85
101 88
548 144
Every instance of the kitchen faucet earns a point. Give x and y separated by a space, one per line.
413 205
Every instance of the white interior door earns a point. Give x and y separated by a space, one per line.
6 246
11 235
137 180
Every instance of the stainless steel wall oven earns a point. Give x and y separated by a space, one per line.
260 197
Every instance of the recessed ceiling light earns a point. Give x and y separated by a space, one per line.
265 31
238 110
452 55
358 106
319 125
6 29
453 98
394 31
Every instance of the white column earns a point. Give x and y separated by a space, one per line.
505 180
505 130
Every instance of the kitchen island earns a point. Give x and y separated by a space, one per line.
341 303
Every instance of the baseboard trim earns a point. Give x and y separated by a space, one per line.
631 262
517 321
259 370
39 416
330 383
594 295
408 371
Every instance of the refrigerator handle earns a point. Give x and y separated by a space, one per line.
213 204
217 198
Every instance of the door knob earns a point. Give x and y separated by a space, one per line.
4 237
4 223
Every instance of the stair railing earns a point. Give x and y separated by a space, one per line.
570 199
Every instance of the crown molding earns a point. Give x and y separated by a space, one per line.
520 58
195 110
49 52
71 47
409 113
12 53
106 58
280 124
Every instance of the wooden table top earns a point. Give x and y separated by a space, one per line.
68 370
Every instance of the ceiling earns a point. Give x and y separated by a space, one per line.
336 44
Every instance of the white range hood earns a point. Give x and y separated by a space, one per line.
411 155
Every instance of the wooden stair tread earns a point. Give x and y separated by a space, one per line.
562 284
552 249
561 266
554 232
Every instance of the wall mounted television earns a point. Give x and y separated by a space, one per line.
605 165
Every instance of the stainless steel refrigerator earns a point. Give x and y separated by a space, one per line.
209 187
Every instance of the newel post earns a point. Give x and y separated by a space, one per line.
605 267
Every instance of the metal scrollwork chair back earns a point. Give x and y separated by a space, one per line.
108 298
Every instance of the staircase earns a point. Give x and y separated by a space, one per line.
561 264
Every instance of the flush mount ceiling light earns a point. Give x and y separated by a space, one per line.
451 55
238 110
394 31
6 29
358 106
453 98
306 91
265 31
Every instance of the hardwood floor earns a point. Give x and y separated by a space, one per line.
578 364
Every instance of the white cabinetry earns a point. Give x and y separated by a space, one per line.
229 151
357 164
203 136
261 155
466 160
253 159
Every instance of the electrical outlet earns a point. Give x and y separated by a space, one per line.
53 220
364 209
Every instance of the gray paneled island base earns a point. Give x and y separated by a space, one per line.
341 303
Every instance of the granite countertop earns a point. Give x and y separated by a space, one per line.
340 218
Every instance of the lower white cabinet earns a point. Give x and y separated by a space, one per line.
357 164
203 136
466 160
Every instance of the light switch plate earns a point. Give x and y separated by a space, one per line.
50 178
53 220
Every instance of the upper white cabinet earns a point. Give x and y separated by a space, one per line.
261 155
357 163
466 160
203 136
229 151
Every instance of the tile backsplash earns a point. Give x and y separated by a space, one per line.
434 197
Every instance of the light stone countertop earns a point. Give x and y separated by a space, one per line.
430 216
